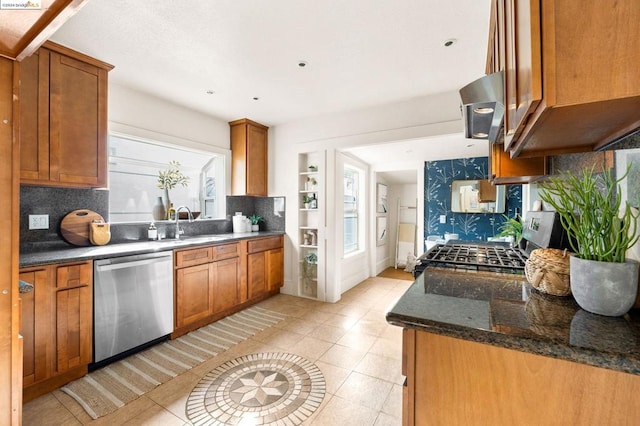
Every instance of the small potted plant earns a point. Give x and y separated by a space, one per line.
512 227
306 201
601 230
168 179
255 220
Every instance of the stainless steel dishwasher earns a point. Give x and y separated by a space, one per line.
133 303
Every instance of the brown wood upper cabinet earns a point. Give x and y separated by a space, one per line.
571 73
249 157
63 118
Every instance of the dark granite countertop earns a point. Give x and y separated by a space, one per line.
43 254
503 310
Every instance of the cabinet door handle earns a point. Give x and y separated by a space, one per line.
25 287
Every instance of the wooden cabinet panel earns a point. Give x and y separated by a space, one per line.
225 251
194 294
523 74
559 98
226 284
57 324
34 117
275 269
193 257
507 170
74 316
249 154
256 274
63 133
455 381
262 244
77 122
36 326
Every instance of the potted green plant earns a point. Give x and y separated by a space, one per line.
306 201
255 220
511 227
168 179
601 230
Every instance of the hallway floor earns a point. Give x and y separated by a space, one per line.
356 350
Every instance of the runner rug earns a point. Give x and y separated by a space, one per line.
103 391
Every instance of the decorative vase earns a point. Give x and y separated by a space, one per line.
159 212
167 203
604 288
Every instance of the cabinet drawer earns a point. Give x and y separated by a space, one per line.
225 251
193 257
263 244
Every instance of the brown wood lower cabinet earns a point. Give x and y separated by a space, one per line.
57 324
215 281
265 271
453 381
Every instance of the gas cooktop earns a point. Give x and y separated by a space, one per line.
494 258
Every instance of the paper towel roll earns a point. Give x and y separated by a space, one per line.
239 224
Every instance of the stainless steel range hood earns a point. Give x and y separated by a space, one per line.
483 107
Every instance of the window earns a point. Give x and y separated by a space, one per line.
134 165
351 209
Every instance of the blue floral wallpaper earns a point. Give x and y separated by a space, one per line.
438 176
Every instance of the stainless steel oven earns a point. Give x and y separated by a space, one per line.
133 304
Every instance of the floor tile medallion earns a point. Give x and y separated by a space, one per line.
262 388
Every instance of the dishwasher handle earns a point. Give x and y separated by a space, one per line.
131 261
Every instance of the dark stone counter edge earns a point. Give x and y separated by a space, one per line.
72 254
615 362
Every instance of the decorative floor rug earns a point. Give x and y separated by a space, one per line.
105 390
257 389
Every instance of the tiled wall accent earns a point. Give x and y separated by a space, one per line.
470 226
57 202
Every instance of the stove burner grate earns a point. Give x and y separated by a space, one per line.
498 258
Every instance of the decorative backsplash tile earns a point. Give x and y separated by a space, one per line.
437 198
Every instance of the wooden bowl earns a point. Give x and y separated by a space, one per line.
185 215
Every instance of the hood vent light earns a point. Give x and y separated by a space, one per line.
483 107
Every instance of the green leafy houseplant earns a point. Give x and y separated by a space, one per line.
589 208
255 219
511 227
168 179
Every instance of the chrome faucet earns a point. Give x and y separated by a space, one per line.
180 231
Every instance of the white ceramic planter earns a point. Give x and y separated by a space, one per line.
604 288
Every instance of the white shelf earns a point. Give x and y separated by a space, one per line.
308 191
310 228
309 173
308 210
308 246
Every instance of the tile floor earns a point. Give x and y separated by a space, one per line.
358 353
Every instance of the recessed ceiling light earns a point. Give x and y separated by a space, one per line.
255 98
210 92
302 64
470 145
450 42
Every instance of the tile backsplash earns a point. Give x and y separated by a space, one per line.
437 198
58 202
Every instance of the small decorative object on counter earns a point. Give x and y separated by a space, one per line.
152 232
99 232
159 211
313 168
601 228
255 220
314 202
547 270
171 213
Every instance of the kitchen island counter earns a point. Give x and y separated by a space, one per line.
42 254
503 310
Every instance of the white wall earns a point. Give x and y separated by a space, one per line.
145 116
417 118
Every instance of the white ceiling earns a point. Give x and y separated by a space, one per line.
359 53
